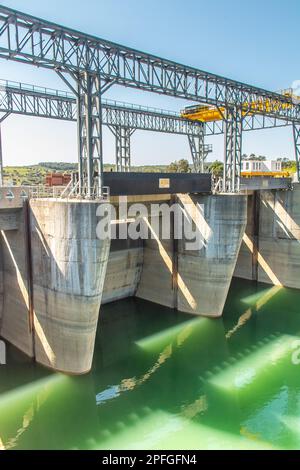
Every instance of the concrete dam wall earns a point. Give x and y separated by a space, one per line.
270 251
55 271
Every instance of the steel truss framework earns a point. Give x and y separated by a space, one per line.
123 119
33 100
95 63
123 154
233 149
296 132
199 151
2 118
41 43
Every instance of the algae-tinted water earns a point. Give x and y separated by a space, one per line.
166 380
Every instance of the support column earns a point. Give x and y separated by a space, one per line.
1 158
90 135
2 118
233 149
123 151
296 133
199 151
89 90
68 272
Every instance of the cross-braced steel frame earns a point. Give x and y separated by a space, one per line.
123 151
2 118
38 42
199 151
121 118
233 149
89 134
37 101
97 62
32 100
296 133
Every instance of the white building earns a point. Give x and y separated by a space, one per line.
260 166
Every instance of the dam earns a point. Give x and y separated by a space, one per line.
56 271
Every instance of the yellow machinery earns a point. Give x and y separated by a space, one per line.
273 174
206 113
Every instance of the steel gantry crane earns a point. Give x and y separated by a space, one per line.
121 118
91 65
32 100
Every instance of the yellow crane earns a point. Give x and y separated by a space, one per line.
209 113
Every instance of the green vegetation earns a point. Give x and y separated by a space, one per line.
25 175
252 156
216 168
182 166
35 174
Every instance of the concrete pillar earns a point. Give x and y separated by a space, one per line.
204 275
68 271
196 281
278 240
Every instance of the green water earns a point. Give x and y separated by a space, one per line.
165 380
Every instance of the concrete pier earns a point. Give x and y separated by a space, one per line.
270 250
55 272
196 281
69 266
53 286
205 274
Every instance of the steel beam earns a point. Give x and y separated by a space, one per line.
233 149
89 122
37 101
123 149
31 100
199 151
1 157
296 134
38 42
2 118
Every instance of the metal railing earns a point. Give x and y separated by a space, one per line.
17 86
68 192
217 185
43 191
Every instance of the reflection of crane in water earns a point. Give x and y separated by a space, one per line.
133 382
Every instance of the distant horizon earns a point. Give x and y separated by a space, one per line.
41 163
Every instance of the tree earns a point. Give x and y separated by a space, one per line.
173 167
290 166
216 168
181 166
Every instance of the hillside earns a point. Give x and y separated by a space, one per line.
35 174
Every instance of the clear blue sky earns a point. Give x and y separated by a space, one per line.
255 42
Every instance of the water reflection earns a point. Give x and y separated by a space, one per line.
162 379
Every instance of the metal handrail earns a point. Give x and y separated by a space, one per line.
4 84
9 84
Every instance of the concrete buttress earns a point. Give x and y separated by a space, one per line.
68 272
